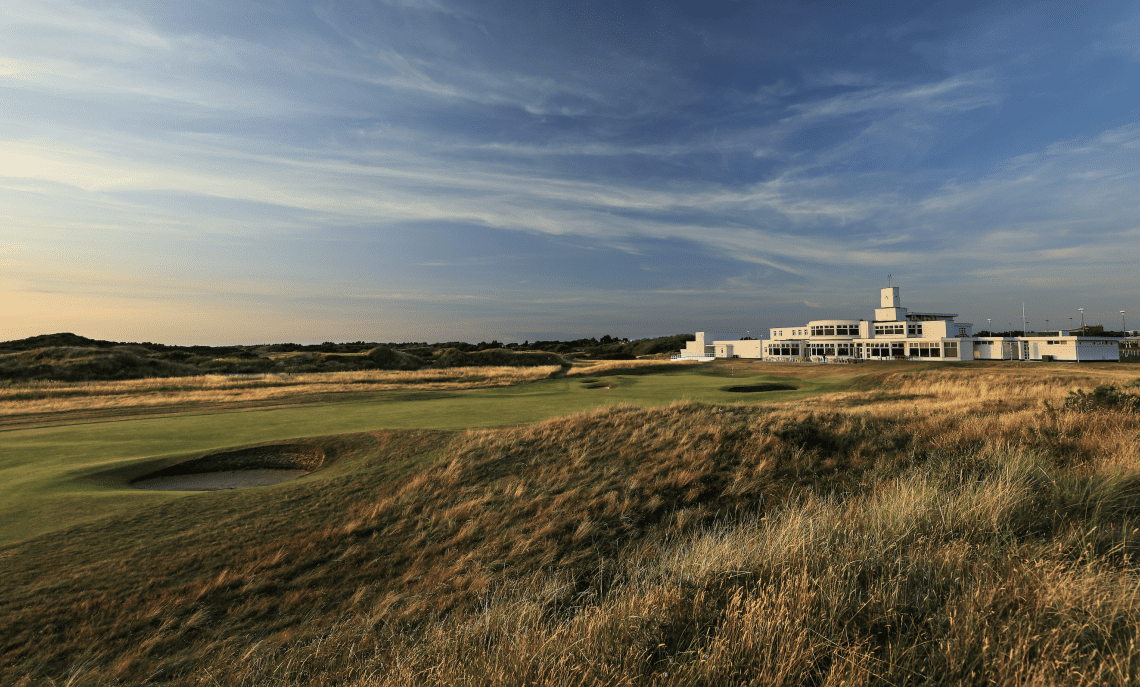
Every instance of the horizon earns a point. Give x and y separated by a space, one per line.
428 170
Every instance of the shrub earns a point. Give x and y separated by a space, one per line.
501 357
387 359
495 357
1104 397
452 357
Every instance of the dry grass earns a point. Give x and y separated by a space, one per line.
944 530
60 397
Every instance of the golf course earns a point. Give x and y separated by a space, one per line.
614 522
55 476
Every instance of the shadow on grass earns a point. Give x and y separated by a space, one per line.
754 388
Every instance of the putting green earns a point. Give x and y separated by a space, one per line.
55 477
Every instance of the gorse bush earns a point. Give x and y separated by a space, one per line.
496 357
387 359
1103 397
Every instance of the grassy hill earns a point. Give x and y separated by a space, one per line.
940 525
68 357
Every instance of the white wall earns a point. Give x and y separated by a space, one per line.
748 349
1098 350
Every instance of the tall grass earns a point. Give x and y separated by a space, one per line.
998 568
23 398
936 530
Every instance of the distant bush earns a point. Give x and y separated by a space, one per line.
452 357
1103 397
496 357
662 344
387 359
423 352
86 364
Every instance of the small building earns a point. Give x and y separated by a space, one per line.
1061 346
895 333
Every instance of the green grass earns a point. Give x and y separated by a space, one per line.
55 477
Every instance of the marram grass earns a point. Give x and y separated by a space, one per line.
969 534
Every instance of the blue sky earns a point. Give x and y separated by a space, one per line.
391 170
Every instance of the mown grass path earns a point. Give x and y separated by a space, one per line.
55 477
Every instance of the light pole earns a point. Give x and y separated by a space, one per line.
1046 325
1123 327
1082 319
1070 325
989 328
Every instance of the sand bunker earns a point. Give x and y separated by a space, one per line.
259 466
213 481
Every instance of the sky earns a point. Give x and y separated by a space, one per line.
238 172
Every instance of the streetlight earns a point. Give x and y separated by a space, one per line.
1082 319
1123 327
989 329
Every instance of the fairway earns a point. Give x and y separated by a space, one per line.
55 477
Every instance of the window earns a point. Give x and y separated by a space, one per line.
928 349
951 349
878 350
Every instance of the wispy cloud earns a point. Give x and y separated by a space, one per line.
778 147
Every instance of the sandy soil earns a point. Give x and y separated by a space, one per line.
212 481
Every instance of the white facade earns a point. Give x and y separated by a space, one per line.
897 333
1047 346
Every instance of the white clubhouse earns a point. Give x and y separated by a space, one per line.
896 333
